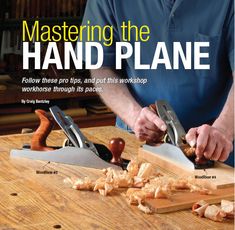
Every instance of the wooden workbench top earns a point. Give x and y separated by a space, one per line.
40 201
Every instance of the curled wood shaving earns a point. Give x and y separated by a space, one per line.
136 197
138 182
214 212
145 209
198 204
199 208
122 179
149 192
162 192
146 170
181 184
108 188
99 184
228 208
133 168
83 184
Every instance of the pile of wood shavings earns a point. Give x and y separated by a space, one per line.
141 181
213 212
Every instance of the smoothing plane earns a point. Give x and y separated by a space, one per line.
174 147
77 149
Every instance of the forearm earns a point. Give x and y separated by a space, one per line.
117 96
225 121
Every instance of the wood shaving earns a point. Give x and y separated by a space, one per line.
181 184
83 184
108 188
138 182
135 196
214 212
141 182
146 170
133 168
122 179
228 208
99 184
144 209
199 208
198 204
162 192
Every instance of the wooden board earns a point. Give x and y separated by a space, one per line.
185 199
221 176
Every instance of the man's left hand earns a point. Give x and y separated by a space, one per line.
211 142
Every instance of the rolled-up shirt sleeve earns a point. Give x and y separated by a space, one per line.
100 12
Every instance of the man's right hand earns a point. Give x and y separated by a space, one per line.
148 126
144 122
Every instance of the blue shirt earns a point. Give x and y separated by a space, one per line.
197 96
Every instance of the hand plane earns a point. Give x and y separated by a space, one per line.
77 149
174 146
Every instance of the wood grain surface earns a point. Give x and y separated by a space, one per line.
220 176
35 201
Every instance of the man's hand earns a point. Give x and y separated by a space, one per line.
211 142
148 126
